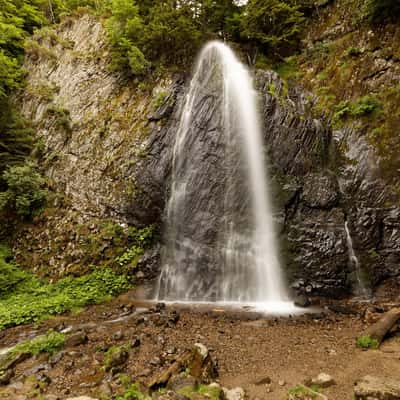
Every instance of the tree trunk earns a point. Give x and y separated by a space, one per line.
378 330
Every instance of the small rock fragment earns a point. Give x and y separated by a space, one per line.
118 335
281 382
135 342
263 381
5 376
234 394
323 380
76 339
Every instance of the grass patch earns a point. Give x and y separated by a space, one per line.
50 343
133 392
212 392
302 392
367 342
29 299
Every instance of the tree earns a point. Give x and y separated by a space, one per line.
24 194
378 11
274 25
125 29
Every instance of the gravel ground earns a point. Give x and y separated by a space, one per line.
248 348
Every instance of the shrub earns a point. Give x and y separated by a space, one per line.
274 24
353 52
366 105
24 195
10 274
132 392
140 239
367 342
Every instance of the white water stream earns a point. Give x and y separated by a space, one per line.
361 289
248 270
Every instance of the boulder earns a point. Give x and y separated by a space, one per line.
182 382
375 388
115 357
76 339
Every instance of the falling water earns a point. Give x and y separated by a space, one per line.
361 289
220 243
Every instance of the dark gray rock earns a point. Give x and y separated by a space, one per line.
321 190
5 376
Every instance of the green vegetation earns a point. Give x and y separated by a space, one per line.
25 194
367 342
140 239
366 105
274 25
160 99
212 392
302 392
133 392
378 11
30 300
50 343
61 116
113 353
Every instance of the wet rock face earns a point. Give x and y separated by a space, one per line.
320 190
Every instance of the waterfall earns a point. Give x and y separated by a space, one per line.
219 240
361 289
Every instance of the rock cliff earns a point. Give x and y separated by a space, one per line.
107 145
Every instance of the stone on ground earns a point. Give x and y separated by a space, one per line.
323 380
374 388
234 394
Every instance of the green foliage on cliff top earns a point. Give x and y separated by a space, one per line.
145 35
275 25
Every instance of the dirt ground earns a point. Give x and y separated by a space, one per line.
247 347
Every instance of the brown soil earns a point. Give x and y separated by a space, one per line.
247 347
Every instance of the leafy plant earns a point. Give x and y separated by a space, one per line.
367 342
49 343
10 274
353 52
140 239
365 106
274 24
132 392
25 194
33 300
302 392
160 99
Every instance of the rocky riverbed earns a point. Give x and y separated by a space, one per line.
266 357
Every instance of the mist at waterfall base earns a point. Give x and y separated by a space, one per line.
219 239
